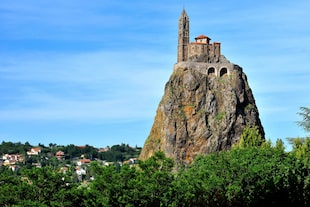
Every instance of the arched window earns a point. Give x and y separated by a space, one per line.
211 71
223 71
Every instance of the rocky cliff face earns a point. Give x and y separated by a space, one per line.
202 111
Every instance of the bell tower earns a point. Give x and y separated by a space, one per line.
183 37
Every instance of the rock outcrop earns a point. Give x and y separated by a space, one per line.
204 109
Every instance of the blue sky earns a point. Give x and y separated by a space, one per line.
93 72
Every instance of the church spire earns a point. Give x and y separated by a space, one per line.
183 37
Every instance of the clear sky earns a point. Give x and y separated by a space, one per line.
93 72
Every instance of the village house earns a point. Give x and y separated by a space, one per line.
83 161
11 159
104 149
131 161
80 171
60 155
14 167
34 151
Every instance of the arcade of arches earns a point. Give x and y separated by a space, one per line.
212 72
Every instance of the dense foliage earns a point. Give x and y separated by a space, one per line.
262 175
14 148
253 173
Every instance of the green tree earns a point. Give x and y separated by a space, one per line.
147 185
301 146
253 176
305 122
47 187
280 145
157 178
250 137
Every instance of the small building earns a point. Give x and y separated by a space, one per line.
14 167
34 151
104 149
8 163
131 161
80 171
12 158
60 155
83 161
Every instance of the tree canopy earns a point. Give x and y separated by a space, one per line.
253 173
305 122
263 175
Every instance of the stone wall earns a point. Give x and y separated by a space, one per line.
206 67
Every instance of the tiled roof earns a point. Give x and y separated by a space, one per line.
202 37
85 160
60 153
36 149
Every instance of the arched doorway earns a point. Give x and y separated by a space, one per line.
223 72
211 71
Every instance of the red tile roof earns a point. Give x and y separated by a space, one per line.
60 153
85 160
202 37
36 149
